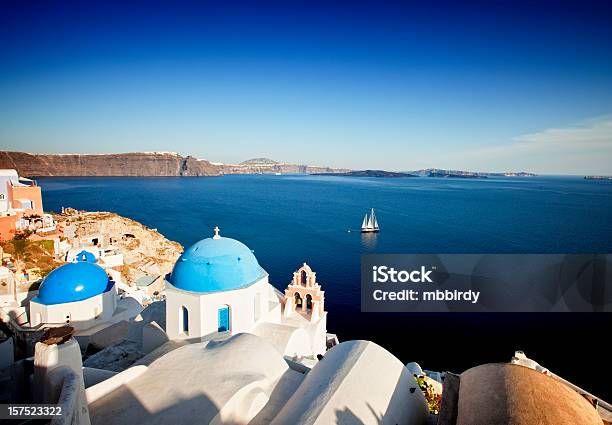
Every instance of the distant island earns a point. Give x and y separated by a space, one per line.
370 173
598 177
269 166
429 172
437 172
457 175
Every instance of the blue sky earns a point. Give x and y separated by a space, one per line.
487 86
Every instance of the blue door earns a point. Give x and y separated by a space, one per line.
223 319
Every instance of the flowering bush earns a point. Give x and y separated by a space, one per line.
433 400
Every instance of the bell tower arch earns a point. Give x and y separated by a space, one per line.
304 295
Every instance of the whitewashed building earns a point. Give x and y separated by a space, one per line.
218 287
81 295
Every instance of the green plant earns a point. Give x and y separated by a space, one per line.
434 400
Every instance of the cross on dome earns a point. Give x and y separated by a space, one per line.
217 236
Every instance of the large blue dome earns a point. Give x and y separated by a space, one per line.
216 264
73 282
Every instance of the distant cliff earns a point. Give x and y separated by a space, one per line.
122 164
269 166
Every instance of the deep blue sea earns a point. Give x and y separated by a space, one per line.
290 219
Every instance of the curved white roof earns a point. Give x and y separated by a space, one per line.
230 380
288 340
356 382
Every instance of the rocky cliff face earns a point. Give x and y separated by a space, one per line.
143 164
146 252
124 164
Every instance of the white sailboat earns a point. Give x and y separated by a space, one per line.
370 224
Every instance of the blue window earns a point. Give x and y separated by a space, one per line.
185 327
224 319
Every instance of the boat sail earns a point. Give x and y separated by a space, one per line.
370 224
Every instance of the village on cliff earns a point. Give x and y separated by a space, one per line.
115 324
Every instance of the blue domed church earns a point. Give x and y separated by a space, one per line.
83 295
79 294
217 287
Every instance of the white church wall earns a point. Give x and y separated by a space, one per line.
79 314
274 314
175 301
271 305
203 310
319 335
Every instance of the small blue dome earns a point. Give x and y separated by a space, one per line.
216 264
85 256
73 282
